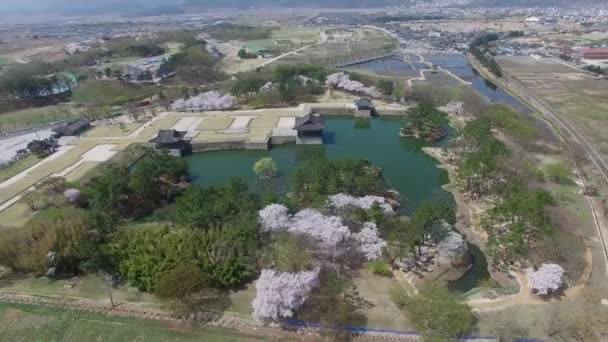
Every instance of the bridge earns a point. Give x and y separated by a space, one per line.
358 59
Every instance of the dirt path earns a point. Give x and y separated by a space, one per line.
430 65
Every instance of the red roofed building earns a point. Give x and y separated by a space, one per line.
594 53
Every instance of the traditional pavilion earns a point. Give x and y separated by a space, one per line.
172 140
310 129
72 128
364 108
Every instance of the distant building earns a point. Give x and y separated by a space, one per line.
75 127
310 129
172 140
532 20
594 53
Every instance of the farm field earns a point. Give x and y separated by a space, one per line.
576 95
284 39
364 41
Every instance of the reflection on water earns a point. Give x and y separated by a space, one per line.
477 273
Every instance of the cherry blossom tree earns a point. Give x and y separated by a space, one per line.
329 231
72 195
278 294
370 242
267 87
547 279
341 200
211 100
341 80
274 217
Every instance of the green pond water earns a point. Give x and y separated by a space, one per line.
404 166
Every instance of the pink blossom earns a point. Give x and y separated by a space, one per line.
547 279
341 200
211 100
370 242
342 80
72 195
278 294
274 217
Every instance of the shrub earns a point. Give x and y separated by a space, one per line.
265 168
181 282
224 253
380 269
193 207
63 231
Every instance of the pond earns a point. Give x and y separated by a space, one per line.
479 271
460 66
404 166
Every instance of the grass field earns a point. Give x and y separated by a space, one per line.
262 44
114 130
36 116
33 323
90 287
18 166
17 215
297 34
109 92
383 312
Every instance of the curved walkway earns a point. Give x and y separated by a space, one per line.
438 68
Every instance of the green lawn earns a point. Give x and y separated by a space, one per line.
90 287
34 323
297 34
113 130
35 116
18 166
109 92
262 44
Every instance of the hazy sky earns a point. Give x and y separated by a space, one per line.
76 5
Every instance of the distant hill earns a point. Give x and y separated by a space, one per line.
536 3
379 3
294 3
159 7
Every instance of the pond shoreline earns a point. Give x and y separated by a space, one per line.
467 213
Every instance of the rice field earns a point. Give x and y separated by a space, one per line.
576 95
